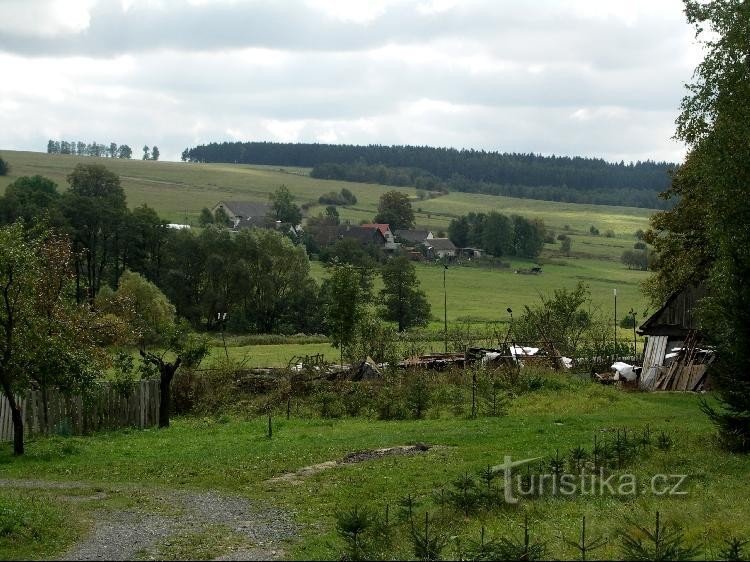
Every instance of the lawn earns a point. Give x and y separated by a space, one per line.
235 456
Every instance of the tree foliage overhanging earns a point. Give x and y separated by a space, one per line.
706 237
555 178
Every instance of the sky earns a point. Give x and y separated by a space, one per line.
600 78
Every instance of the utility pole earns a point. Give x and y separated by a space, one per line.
615 350
635 342
222 318
445 309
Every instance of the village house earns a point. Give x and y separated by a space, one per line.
245 214
440 248
385 230
413 237
362 234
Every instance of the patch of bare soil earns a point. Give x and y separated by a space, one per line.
350 458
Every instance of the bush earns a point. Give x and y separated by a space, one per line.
610 234
594 231
418 396
639 246
627 321
4 168
330 404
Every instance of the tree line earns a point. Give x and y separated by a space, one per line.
79 148
259 277
380 174
498 234
557 178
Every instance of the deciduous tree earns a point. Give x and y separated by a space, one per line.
395 210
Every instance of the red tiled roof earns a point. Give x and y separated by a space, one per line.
383 228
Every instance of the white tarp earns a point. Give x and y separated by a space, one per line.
624 371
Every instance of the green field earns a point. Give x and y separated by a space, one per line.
178 190
234 456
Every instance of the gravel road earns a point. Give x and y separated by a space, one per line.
121 535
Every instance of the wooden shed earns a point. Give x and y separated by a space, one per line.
673 359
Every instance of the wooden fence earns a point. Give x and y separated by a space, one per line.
104 407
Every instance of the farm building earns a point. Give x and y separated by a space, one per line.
413 237
249 212
439 248
675 358
385 230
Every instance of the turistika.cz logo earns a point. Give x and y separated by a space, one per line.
518 484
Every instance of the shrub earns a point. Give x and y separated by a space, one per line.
594 231
418 396
330 405
639 246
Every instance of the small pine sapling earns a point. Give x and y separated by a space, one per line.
622 448
351 525
511 548
557 465
665 542
664 442
601 454
480 551
441 498
465 496
733 550
645 440
487 476
407 506
428 544
578 458
584 545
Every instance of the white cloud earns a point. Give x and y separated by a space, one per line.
45 18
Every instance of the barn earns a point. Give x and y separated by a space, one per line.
676 357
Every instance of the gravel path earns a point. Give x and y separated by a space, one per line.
121 535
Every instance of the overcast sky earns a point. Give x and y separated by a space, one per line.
596 78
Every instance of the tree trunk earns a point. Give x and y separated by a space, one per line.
16 415
166 371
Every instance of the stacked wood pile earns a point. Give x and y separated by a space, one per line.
688 370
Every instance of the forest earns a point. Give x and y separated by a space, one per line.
532 176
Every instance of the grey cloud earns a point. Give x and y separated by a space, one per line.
507 30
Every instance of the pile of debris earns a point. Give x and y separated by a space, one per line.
685 367
435 361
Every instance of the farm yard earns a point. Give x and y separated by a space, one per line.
155 476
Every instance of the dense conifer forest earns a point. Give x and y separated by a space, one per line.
531 176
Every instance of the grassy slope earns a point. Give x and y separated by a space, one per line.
237 457
173 188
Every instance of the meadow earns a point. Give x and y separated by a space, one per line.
179 190
233 454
